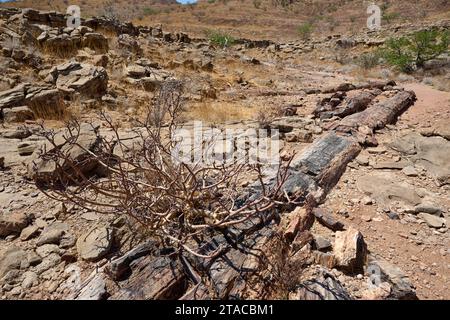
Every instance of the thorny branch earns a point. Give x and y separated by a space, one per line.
175 202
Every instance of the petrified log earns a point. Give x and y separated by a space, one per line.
120 266
327 158
355 104
327 220
153 278
344 87
324 287
381 114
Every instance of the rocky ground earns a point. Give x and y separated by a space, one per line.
393 197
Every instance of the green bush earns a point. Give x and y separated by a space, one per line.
305 30
411 52
220 38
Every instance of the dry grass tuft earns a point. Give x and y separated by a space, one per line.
219 112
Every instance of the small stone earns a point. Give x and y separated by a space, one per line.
344 213
68 240
366 218
40 223
16 291
367 200
53 233
29 232
393 215
30 279
47 249
90 216
377 150
432 221
362 160
410 171
47 263
321 243
12 223
430 208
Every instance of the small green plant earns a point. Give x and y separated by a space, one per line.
211 1
409 53
220 38
305 30
150 11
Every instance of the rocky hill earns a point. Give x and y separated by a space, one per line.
362 211
256 19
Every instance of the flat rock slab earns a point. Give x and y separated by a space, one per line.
95 244
432 153
385 189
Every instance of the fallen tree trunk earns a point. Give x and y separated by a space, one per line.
379 115
354 105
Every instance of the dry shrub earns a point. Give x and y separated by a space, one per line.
266 115
61 49
177 202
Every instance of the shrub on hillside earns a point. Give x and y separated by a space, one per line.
220 38
411 52
305 30
369 60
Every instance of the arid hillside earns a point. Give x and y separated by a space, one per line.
104 195
259 19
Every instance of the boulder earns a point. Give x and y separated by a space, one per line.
95 244
130 44
12 223
74 77
13 259
383 272
18 114
95 41
52 234
385 188
432 220
79 160
13 97
350 250
429 152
